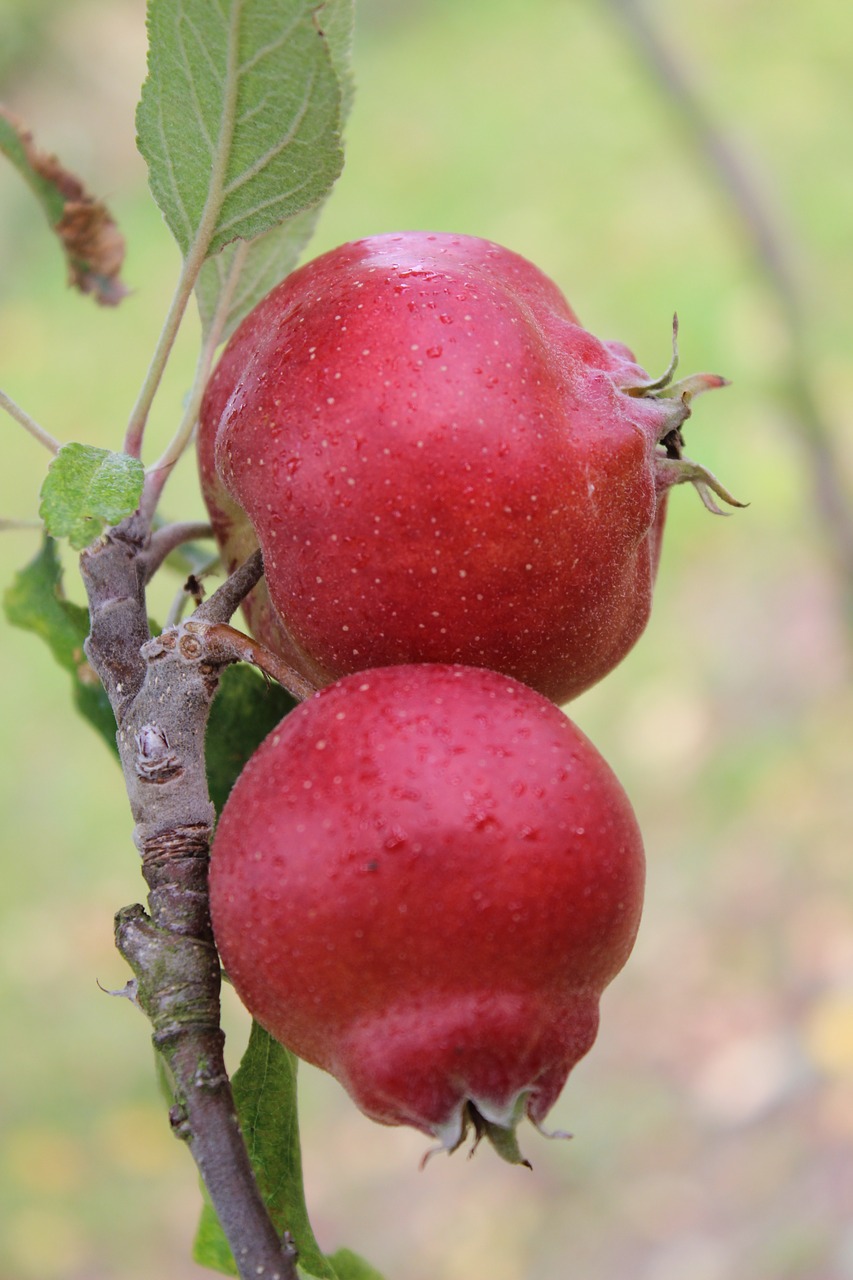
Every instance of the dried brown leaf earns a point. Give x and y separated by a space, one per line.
94 247
91 241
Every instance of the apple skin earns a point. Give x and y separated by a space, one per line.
422 882
440 465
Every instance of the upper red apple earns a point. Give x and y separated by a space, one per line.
441 464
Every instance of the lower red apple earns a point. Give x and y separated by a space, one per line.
422 882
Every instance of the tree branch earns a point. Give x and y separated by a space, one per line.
161 690
773 258
226 600
226 644
112 570
171 536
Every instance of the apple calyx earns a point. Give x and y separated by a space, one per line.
503 1138
671 466
497 1124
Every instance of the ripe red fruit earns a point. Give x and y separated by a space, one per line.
422 882
441 465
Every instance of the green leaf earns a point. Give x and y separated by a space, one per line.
246 708
34 602
239 119
336 20
87 488
349 1266
265 1093
210 1248
243 274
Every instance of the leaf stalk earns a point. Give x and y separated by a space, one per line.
29 424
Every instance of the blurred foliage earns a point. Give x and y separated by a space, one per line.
714 1118
22 25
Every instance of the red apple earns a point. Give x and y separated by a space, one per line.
422 882
441 464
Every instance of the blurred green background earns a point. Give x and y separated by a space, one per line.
714 1118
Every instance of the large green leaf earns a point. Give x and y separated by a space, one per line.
239 119
34 602
242 274
336 19
87 488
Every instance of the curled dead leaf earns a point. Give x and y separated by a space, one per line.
94 247
91 241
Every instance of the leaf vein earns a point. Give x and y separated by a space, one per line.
191 81
272 153
271 47
174 185
281 198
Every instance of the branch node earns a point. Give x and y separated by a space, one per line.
155 761
179 1120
